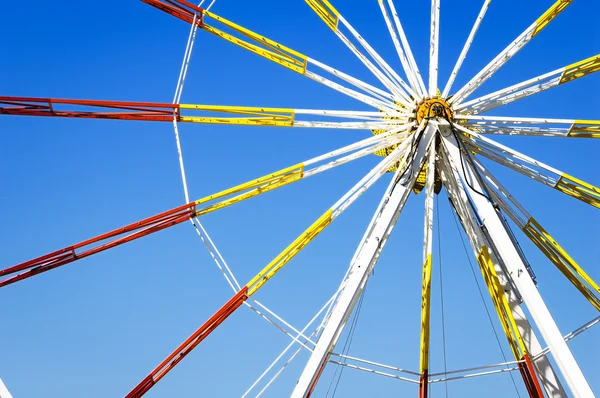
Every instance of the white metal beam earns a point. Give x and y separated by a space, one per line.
465 50
521 278
4 391
365 262
434 44
477 238
407 50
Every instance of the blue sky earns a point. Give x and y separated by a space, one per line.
95 328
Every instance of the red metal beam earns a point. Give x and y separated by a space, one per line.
27 106
180 9
531 382
424 385
188 345
70 254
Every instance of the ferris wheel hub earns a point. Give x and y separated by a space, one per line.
433 108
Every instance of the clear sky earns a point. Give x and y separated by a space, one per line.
96 327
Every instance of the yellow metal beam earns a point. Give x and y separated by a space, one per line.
581 69
282 117
425 315
258 44
252 188
286 255
500 301
326 12
585 129
549 15
579 189
561 259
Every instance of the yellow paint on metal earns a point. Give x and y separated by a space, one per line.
561 259
425 109
585 129
579 189
386 151
580 69
425 315
265 47
549 15
285 256
281 117
326 12
252 188
500 301
422 180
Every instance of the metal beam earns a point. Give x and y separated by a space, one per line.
477 237
367 257
518 272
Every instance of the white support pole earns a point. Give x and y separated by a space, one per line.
521 278
4 391
434 43
364 264
477 238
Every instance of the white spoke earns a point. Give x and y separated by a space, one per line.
531 86
376 103
412 78
390 72
434 43
478 238
465 50
509 125
532 168
509 51
411 59
332 18
502 242
540 237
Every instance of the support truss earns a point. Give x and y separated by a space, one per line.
480 243
518 272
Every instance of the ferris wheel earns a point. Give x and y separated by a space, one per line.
429 136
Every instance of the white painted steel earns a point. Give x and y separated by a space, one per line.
348 357
4 391
399 94
365 262
434 43
429 192
373 371
515 120
412 79
518 273
575 333
494 65
375 91
409 55
491 372
465 50
478 239
389 71
512 93
295 339
378 104
520 130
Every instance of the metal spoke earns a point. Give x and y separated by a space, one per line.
510 51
